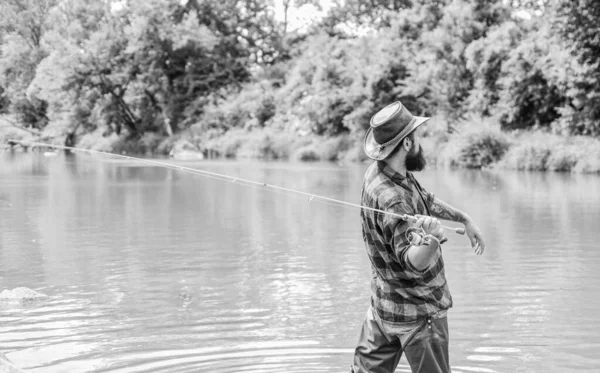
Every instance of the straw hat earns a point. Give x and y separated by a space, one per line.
388 128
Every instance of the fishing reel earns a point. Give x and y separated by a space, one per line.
418 237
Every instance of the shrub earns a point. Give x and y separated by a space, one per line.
268 144
562 158
95 141
226 144
527 156
547 152
31 112
589 161
334 148
8 132
261 143
356 153
306 153
477 145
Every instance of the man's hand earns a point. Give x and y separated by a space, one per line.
475 236
430 225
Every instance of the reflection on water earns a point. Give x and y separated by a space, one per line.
153 270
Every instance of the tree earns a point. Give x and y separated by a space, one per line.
578 24
485 58
23 24
538 6
357 14
26 18
528 96
438 73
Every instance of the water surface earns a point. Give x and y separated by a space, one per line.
151 269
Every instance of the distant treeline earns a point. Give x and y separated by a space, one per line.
146 70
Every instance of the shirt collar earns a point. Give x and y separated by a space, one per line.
395 176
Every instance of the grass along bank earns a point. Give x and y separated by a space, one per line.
481 144
475 144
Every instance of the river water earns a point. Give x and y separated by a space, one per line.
150 269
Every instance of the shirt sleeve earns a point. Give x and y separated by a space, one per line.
394 230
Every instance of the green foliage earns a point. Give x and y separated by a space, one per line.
237 81
260 143
440 74
477 145
32 113
144 67
529 156
9 132
307 153
528 97
484 59
320 88
356 14
547 152
330 149
578 23
335 148
26 18
530 5
253 106
4 102
23 24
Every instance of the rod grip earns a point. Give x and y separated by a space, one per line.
460 231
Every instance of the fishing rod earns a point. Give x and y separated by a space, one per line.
218 176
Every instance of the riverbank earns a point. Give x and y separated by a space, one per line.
474 144
484 145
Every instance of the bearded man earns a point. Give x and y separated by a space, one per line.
409 293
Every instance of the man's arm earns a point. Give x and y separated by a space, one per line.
420 257
441 210
417 258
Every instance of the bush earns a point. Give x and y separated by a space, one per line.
225 144
477 145
331 149
258 143
334 148
268 144
356 153
32 113
589 161
527 156
306 153
251 106
96 141
547 152
563 158
180 140
7 132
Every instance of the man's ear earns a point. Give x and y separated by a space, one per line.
407 143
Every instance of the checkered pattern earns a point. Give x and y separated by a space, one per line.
399 292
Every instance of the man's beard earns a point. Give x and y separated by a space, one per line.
415 161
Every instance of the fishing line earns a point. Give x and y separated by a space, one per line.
237 180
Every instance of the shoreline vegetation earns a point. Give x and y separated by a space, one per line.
476 145
508 84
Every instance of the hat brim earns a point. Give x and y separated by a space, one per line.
372 148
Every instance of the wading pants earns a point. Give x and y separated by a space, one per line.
381 344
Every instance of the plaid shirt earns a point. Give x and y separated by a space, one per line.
399 292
